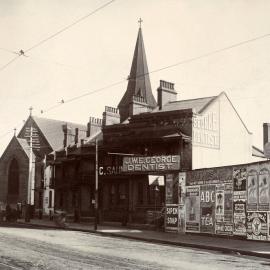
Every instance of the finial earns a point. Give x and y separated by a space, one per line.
30 110
140 22
15 129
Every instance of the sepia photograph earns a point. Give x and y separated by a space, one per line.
134 134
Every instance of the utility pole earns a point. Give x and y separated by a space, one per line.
96 186
29 187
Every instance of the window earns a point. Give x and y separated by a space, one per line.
13 178
50 199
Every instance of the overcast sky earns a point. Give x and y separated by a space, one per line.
98 51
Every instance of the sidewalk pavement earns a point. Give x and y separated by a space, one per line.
221 244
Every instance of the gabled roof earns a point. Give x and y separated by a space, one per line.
21 143
197 104
52 130
139 82
25 146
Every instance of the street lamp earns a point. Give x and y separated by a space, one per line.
96 185
156 189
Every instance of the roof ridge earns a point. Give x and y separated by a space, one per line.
56 120
191 99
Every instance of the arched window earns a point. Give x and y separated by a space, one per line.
13 178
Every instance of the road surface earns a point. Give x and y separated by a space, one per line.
24 248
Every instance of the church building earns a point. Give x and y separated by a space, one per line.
22 164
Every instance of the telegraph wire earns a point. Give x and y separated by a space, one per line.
189 60
69 26
10 62
22 52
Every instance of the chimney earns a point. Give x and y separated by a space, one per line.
76 138
67 135
266 133
166 93
110 116
93 126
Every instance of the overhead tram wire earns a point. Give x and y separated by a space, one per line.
54 35
69 26
189 60
153 71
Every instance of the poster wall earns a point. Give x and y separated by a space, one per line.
257 226
207 195
193 209
239 200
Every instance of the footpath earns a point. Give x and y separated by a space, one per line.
220 244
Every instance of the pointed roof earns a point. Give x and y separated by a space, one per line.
139 81
52 130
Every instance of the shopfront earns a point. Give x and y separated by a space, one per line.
136 190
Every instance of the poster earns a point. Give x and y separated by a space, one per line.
193 209
263 190
219 208
257 226
207 196
252 190
239 179
182 188
169 188
172 217
239 200
224 225
239 215
181 218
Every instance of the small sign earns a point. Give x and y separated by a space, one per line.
172 217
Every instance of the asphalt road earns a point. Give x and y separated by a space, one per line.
23 248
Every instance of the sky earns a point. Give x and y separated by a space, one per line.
97 52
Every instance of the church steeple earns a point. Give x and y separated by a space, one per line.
138 96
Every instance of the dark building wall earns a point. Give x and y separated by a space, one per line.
14 150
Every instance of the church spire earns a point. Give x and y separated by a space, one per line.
139 87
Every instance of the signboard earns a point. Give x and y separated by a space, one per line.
239 201
205 130
193 209
151 163
257 226
264 198
252 190
109 170
172 217
207 196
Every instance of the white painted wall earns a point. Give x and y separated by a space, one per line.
235 141
47 176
